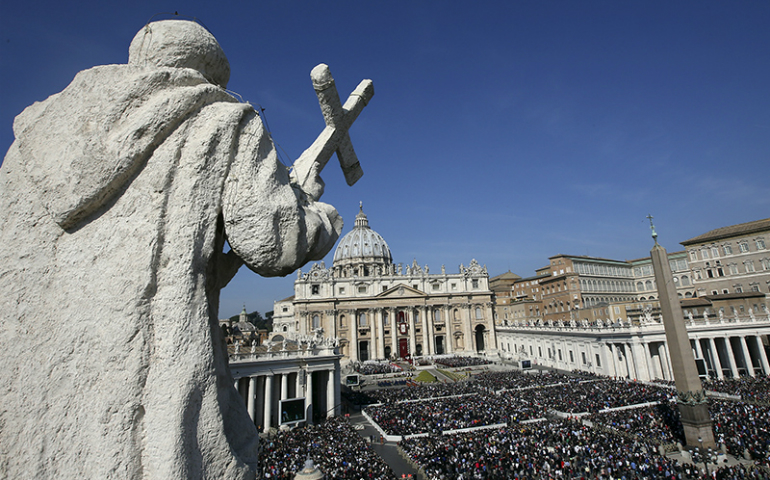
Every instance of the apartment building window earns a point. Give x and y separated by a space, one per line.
704 254
744 246
738 288
714 252
765 263
749 264
728 249
693 255
760 244
733 268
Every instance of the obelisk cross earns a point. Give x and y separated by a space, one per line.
334 137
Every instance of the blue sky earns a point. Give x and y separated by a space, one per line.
506 131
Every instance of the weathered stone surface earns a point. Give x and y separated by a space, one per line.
116 200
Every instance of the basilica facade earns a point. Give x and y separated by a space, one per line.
379 310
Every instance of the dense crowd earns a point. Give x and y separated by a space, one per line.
376 368
552 449
442 414
742 427
659 423
335 448
459 361
750 389
595 395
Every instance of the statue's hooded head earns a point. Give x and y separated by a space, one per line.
181 44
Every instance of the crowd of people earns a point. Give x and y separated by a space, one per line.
553 449
750 389
460 361
376 368
659 423
616 443
334 446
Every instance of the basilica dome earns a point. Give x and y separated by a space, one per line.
362 245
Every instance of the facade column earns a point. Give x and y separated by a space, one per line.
309 397
731 358
268 419
412 336
252 397
747 356
762 355
337 392
331 407
425 333
354 336
667 365
379 314
716 363
393 332
431 331
449 329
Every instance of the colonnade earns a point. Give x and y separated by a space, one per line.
644 357
263 391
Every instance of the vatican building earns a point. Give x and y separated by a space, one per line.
376 309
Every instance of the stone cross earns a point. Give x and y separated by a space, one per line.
334 137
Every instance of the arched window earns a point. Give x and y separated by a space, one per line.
648 285
685 281
478 313
316 322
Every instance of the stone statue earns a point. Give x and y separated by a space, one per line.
116 199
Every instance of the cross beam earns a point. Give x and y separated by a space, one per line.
335 137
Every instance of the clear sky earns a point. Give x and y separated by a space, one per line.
505 131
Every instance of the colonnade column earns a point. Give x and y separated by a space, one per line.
309 397
647 360
252 397
612 360
716 363
762 355
630 350
268 402
331 407
731 358
748 363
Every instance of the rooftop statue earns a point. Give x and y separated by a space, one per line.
116 200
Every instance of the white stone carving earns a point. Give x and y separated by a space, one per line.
115 202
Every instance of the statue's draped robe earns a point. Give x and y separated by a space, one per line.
114 203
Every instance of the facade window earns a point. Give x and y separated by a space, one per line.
362 289
714 252
385 319
362 319
765 263
343 321
437 315
316 322
314 289
704 254
475 283
744 246
342 290
728 249
760 244
754 287
436 286
749 264
738 288
454 286
478 313
693 255
685 281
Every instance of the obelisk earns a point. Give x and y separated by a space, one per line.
691 399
